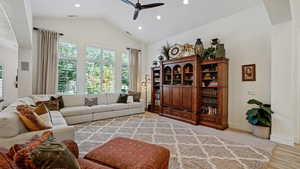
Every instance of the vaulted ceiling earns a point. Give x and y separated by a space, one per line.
175 17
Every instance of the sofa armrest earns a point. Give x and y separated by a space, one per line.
72 146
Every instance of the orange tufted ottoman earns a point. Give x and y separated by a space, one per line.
123 153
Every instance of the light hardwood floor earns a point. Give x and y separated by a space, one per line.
285 157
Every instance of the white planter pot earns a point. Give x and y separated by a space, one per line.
260 131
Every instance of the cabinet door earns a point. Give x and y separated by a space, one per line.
166 95
187 98
177 96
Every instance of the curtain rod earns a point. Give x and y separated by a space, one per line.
131 48
36 29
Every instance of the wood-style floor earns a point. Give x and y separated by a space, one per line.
285 157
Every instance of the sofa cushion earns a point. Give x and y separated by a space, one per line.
60 101
102 99
40 109
51 105
112 98
122 98
57 119
10 124
87 164
119 106
101 108
91 101
136 96
76 111
73 100
27 100
135 105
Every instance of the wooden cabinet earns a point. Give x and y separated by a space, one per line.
194 91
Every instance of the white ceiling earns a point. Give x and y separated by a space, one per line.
176 17
6 32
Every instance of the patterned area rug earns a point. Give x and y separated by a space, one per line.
190 148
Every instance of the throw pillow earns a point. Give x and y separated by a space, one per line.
51 155
30 119
22 157
13 150
90 101
52 105
136 96
130 99
60 101
5 161
40 109
122 98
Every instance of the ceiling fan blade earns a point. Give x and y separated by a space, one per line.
136 14
147 6
128 2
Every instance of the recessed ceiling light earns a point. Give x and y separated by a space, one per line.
77 5
158 17
185 2
140 28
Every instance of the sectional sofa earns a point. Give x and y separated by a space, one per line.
12 130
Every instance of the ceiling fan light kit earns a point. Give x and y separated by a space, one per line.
138 7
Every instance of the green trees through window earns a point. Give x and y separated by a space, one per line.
67 68
95 67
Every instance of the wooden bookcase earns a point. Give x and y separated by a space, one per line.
192 90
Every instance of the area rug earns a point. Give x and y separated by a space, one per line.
190 148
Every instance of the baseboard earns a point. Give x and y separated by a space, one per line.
239 127
283 140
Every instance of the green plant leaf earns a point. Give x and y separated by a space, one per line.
267 110
253 112
256 102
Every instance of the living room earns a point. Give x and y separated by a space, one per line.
186 83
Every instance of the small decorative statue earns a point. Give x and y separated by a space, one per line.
199 48
188 50
155 63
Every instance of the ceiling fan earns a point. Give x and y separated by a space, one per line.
138 7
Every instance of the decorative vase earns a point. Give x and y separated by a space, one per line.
199 48
155 63
260 131
220 51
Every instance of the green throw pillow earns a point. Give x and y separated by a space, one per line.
123 98
52 155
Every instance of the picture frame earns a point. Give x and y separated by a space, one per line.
249 72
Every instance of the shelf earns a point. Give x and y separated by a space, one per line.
211 96
210 72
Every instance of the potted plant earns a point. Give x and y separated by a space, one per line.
260 118
165 50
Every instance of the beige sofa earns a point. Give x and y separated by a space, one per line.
76 112
12 130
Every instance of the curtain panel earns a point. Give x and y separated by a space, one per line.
47 62
134 69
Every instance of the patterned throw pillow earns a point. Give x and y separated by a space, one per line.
52 155
90 101
52 105
22 157
136 96
40 109
60 101
30 119
13 150
122 98
5 161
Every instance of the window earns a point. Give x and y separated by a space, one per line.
1 82
67 68
99 72
125 72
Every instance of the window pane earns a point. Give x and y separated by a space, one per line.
125 72
108 56
67 76
67 50
93 53
107 82
93 75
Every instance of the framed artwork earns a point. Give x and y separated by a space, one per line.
249 72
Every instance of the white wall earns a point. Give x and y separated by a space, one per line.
246 36
84 32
